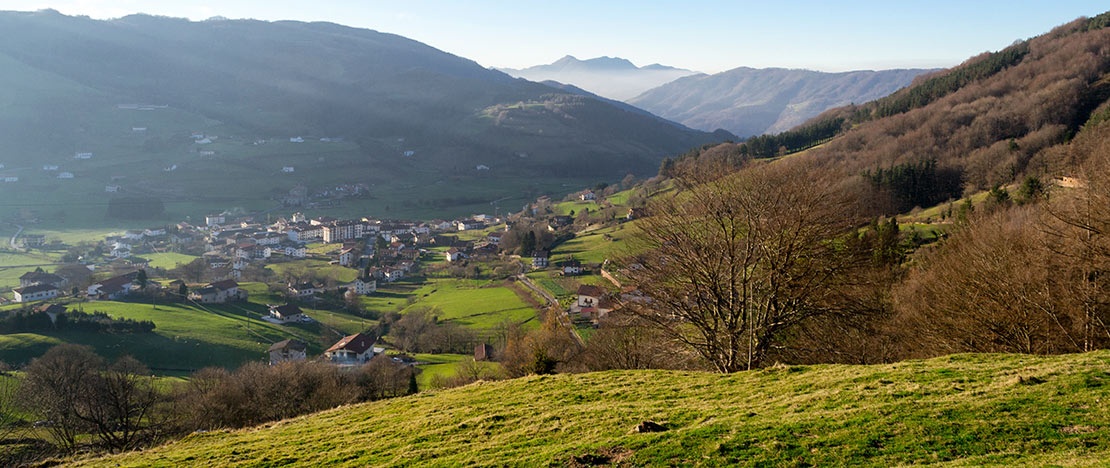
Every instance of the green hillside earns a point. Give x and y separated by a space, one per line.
965 410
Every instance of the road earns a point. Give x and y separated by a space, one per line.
560 313
16 236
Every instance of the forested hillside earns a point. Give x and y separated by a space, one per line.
985 187
338 105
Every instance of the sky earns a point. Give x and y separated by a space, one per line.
703 35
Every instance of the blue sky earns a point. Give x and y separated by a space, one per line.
703 35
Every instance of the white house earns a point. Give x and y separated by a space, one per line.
38 292
589 295
290 350
352 349
219 292
347 257
286 313
587 196
114 287
296 251
363 286
454 255
540 259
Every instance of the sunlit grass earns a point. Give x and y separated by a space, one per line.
962 409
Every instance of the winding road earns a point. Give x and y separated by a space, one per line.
16 236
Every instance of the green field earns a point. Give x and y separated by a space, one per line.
472 303
15 264
577 206
168 260
435 365
190 336
960 410
595 246
314 267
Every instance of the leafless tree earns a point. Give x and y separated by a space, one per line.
732 264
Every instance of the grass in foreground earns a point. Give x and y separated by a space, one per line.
958 410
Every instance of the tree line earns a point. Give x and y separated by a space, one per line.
83 401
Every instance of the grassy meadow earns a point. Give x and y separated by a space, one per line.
473 303
960 410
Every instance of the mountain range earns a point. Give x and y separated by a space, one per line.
289 104
749 101
744 101
612 77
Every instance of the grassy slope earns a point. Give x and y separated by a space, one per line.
188 336
471 303
962 409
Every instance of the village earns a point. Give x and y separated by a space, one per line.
229 248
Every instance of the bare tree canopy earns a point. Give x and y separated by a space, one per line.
731 265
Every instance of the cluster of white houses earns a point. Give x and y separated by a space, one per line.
229 245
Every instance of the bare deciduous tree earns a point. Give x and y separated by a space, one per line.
731 265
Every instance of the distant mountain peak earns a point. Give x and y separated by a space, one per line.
613 77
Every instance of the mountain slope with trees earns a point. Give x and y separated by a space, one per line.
397 112
999 169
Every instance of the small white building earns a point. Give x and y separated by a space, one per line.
290 350
37 292
65 175
287 169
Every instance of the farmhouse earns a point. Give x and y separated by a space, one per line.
303 290
589 295
587 196
540 259
38 292
290 350
352 349
570 267
363 285
287 313
218 293
113 288
454 255
37 277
